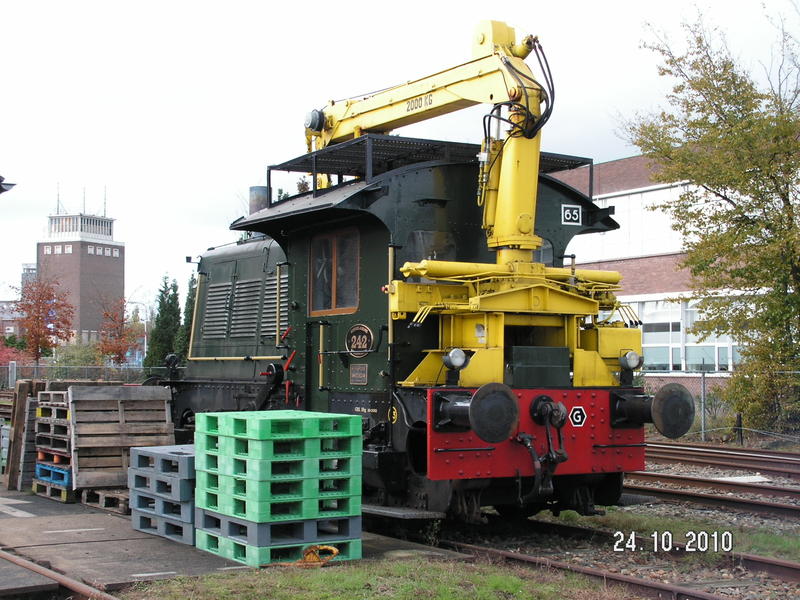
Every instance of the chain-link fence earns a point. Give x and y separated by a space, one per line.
711 411
10 373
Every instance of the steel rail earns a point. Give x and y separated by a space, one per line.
768 508
773 491
643 587
67 582
750 462
735 455
736 450
708 461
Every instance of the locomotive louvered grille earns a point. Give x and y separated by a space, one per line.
215 322
270 300
244 316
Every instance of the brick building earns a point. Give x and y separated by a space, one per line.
28 274
81 254
9 318
647 252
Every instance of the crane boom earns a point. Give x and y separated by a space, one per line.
497 75
491 77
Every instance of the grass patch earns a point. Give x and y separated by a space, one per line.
388 580
780 544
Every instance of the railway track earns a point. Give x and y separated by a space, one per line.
784 570
783 464
758 506
642 587
713 498
773 491
717 448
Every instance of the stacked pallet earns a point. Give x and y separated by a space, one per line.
161 483
5 434
22 448
53 471
6 405
106 422
28 454
269 484
6 410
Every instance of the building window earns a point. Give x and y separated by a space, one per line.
736 357
333 277
90 249
57 249
108 251
48 250
700 358
722 358
662 322
676 359
656 358
116 252
67 248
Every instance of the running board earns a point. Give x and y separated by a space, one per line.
400 512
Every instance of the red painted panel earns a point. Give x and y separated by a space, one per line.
480 459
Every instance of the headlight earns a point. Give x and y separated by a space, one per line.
630 360
455 359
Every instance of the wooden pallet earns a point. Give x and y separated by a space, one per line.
6 405
53 491
106 422
16 449
112 499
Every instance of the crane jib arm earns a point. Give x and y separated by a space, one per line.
482 81
497 75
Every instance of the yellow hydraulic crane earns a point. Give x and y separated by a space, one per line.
476 302
497 75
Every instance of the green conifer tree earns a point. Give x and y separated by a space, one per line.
185 331
165 328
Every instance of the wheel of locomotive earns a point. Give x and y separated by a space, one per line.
608 491
515 512
152 380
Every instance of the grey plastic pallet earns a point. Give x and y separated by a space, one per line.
54 398
277 533
161 507
164 486
171 529
173 461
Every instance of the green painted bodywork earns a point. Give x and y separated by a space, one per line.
426 210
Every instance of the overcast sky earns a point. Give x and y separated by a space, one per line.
177 107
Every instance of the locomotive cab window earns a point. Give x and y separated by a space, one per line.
333 276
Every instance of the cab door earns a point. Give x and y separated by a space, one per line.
333 298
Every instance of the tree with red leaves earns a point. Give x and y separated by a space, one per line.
8 354
117 335
46 316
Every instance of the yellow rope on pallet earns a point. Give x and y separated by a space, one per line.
317 556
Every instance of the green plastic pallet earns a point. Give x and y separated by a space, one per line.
272 491
337 425
336 447
278 424
283 510
271 470
256 556
339 447
253 468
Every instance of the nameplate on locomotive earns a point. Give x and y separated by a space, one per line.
358 341
359 374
